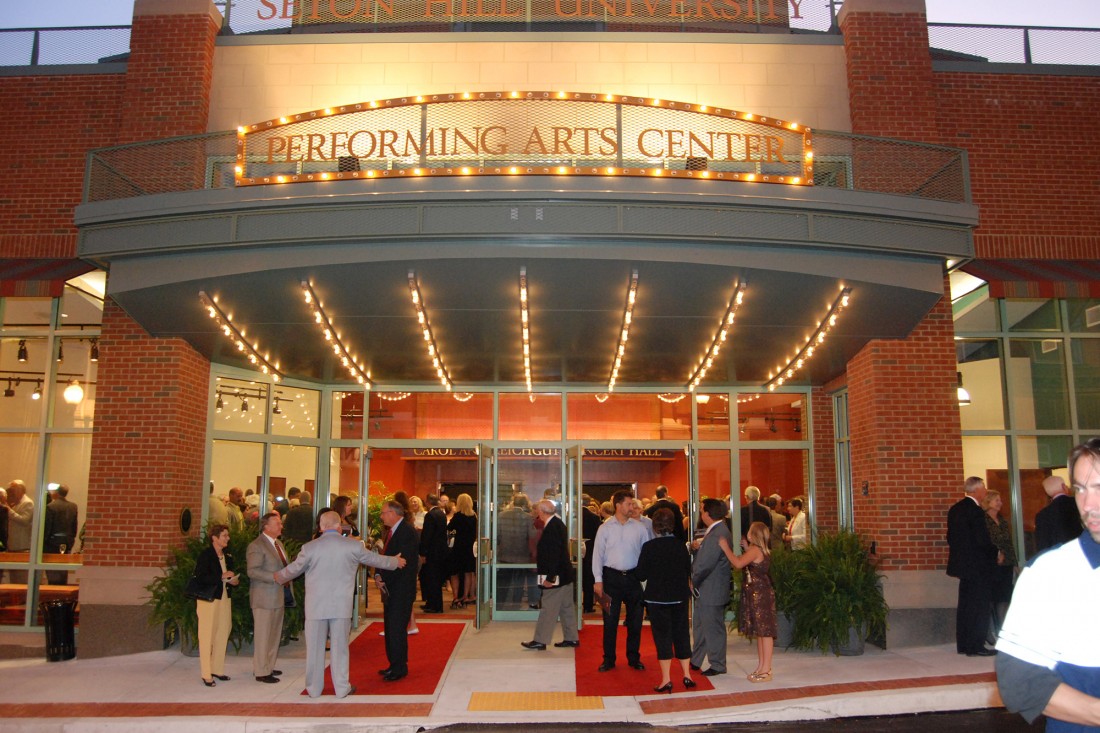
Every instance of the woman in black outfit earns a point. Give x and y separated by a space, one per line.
665 567
214 569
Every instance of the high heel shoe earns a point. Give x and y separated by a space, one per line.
689 682
666 687
208 683
222 677
760 676
457 604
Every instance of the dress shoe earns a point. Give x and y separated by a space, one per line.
689 683
638 666
425 609
222 677
385 671
276 672
269 678
694 668
351 691
983 652
392 676
536 645
666 687
711 672
606 666
567 643
208 683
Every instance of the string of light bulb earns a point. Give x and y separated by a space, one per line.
324 323
719 336
426 330
816 340
525 326
624 333
236 335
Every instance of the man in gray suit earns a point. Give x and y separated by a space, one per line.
710 575
266 556
330 563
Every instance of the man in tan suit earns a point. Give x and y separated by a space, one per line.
266 556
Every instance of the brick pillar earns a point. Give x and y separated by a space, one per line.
906 444
149 441
826 511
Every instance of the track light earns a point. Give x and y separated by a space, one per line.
37 393
60 351
220 404
276 410
244 405
22 350
95 350
9 392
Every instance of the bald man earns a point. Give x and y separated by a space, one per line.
1059 521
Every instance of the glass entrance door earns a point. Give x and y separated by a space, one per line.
573 502
486 510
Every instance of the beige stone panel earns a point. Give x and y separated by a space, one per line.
240 56
670 51
554 76
479 52
433 52
418 75
601 74
789 74
335 96
742 73
835 75
817 55
452 75
839 119
500 75
622 52
575 52
382 91
648 73
766 53
763 99
718 53
686 92
293 53
525 52
359 74
725 96
389 52
820 96
340 53
290 99
630 90
226 75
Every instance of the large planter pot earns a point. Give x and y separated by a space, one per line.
853 647
785 631
188 647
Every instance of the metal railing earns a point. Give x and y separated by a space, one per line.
1015 44
63 46
841 160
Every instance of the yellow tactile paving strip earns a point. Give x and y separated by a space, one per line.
504 701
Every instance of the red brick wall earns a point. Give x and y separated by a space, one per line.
906 441
148 444
48 126
826 512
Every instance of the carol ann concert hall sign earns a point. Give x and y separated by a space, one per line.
523 133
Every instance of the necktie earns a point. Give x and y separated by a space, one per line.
389 533
282 555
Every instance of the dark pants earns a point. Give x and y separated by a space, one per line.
624 590
972 615
395 619
669 624
431 584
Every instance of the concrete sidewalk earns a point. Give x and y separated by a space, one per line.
125 693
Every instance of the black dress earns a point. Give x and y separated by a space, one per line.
461 557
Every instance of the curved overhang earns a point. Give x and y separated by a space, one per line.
580 240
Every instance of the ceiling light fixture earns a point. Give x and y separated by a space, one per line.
220 404
426 329
74 393
276 410
624 333
719 336
355 369
671 398
816 340
37 393
236 335
525 325
960 391
22 350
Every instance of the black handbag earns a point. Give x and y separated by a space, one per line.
202 592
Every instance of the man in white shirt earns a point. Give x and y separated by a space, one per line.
618 545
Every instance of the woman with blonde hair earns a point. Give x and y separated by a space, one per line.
1004 574
463 558
758 616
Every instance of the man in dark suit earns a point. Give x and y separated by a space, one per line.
663 502
556 575
299 519
399 589
753 511
590 525
1059 521
433 556
971 558
60 531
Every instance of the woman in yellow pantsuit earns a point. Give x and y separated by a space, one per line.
215 567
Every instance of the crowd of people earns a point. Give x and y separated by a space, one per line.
59 529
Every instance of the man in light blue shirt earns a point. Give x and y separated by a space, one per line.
618 545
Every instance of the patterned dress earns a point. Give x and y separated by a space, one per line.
758 616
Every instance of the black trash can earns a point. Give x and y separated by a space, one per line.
60 620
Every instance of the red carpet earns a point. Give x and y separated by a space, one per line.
429 652
624 681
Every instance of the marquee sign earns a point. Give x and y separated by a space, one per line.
523 133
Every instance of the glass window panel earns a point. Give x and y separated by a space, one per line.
627 417
233 463
296 465
529 416
73 395
1031 315
714 475
1086 382
771 416
20 380
242 405
81 306
343 471
27 312
976 312
19 457
420 471
642 470
1037 384
13 597
713 416
783 472
431 415
979 363
1084 315
347 415
982 454
296 412
67 461
1039 457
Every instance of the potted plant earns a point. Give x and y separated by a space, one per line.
834 595
784 573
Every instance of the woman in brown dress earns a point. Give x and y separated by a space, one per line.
758 617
